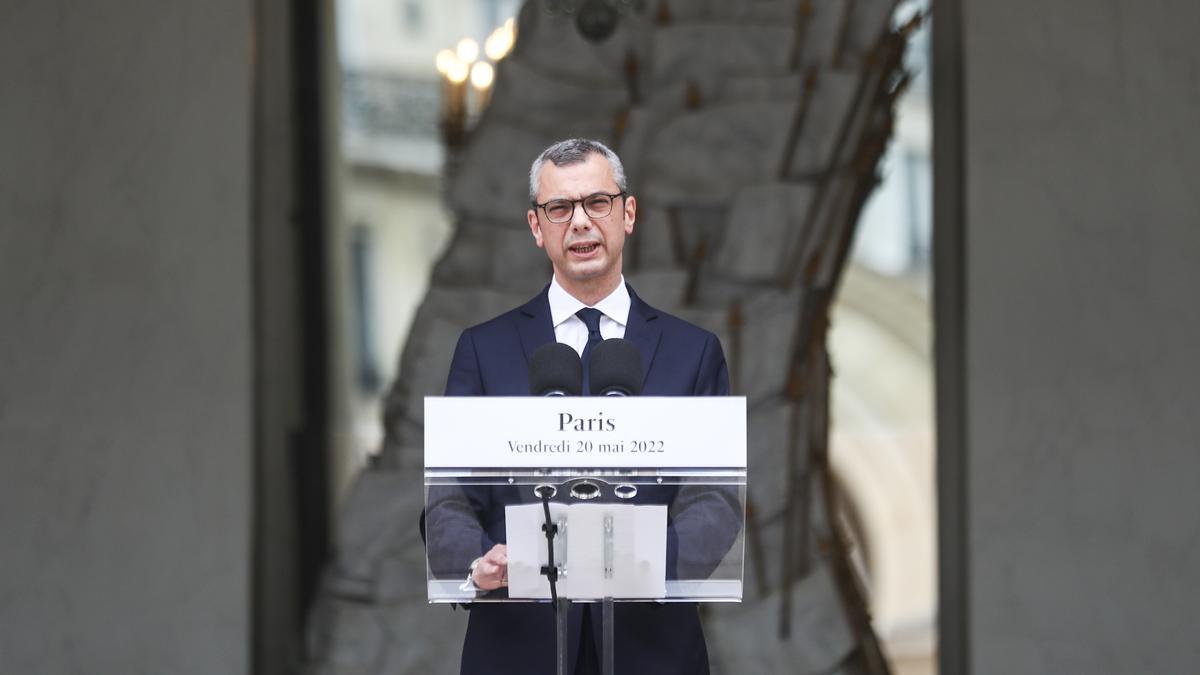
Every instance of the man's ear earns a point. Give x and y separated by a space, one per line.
535 227
630 213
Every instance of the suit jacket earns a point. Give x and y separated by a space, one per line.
491 359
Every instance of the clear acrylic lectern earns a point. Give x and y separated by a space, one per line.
598 499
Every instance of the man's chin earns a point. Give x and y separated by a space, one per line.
584 271
592 266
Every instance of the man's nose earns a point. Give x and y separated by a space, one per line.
580 220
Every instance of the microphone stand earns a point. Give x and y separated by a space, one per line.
562 606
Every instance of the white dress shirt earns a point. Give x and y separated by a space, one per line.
571 330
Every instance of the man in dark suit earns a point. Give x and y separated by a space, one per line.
581 213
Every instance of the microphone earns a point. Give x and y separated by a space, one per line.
555 370
615 368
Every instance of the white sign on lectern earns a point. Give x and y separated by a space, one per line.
593 431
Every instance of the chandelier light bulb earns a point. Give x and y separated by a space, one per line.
444 59
493 46
457 72
468 50
498 43
482 75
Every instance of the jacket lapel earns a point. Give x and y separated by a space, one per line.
536 327
642 330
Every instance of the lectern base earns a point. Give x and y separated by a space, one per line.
606 649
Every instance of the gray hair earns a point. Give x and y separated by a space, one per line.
575 151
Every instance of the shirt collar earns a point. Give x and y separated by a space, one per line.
563 305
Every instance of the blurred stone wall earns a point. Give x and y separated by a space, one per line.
126 356
1081 238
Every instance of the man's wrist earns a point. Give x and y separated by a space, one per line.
469 585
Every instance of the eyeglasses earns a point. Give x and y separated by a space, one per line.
596 205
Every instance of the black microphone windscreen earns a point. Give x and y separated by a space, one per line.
554 368
615 367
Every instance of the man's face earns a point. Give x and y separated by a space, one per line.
585 251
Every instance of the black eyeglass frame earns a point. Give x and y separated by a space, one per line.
579 202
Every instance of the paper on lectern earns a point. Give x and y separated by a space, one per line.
638 552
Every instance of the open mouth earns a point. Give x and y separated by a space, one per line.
584 249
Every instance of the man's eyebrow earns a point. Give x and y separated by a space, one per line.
594 192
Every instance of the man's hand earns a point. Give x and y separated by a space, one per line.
491 571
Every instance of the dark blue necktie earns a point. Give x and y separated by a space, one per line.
591 318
